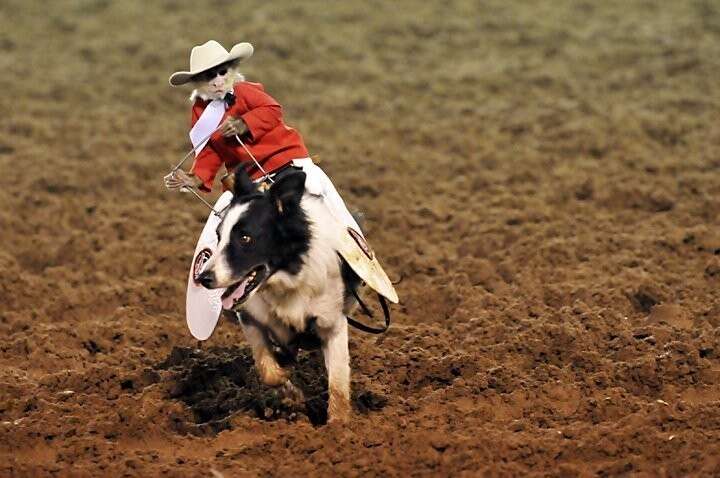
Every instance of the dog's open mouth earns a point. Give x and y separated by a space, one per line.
239 292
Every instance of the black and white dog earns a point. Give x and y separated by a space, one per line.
277 257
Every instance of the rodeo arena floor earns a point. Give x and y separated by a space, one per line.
539 178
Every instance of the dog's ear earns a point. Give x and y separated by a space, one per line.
287 191
243 185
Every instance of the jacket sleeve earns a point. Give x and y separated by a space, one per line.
206 166
264 113
207 163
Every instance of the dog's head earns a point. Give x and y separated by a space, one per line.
261 233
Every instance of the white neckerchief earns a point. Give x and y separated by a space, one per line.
206 125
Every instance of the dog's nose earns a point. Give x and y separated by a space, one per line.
206 279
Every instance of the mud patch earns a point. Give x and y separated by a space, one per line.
220 382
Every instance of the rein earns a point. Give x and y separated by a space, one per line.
266 176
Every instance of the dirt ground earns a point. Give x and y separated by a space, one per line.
542 176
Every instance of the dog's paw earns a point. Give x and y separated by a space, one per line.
335 418
271 373
292 395
339 409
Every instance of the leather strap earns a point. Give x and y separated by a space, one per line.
287 354
368 312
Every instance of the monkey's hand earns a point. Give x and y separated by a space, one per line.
233 126
180 180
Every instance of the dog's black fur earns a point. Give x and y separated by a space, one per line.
279 248
279 229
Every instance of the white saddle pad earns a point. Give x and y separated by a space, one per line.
203 306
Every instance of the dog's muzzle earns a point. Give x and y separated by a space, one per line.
239 292
206 279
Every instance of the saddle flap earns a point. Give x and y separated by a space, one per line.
362 260
204 306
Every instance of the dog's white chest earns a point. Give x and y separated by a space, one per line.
291 310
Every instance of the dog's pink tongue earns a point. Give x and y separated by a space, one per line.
229 301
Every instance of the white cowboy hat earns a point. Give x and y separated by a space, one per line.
208 55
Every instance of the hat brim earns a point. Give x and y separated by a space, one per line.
239 52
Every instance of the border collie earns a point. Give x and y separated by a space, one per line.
277 257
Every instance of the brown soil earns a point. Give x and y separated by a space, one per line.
543 177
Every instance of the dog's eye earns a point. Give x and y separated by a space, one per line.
245 239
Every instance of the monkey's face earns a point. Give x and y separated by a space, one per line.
213 84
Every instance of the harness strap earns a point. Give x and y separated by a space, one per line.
286 354
366 310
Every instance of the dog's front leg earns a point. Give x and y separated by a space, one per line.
270 371
337 363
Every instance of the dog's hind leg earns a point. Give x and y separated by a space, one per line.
337 363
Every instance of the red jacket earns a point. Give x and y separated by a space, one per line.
270 140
